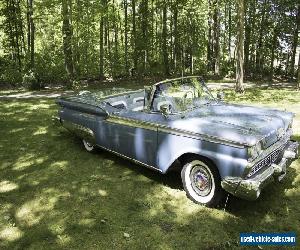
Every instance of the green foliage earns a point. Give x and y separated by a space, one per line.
30 81
8 73
67 42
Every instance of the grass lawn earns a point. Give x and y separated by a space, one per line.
54 194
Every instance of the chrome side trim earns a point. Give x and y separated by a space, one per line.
131 122
79 130
162 128
197 136
131 159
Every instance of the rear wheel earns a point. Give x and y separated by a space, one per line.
88 146
202 182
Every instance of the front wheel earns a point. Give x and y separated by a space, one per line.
202 182
88 146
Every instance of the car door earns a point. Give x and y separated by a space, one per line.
132 134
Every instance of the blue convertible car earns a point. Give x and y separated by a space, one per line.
218 146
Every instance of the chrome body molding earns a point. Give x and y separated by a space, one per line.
166 129
250 188
132 122
131 159
79 130
197 136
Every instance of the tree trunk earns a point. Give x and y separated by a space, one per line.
216 38
144 26
126 36
229 31
67 38
135 58
298 80
32 34
164 38
295 42
209 39
252 49
101 63
18 28
274 44
175 33
260 39
240 47
248 32
28 25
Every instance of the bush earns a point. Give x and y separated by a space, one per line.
9 74
30 81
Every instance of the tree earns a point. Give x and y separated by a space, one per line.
295 41
216 38
126 36
101 61
164 40
134 36
240 47
259 50
152 37
209 40
67 37
31 32
298 80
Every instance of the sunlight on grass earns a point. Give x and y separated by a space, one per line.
102 192
269 218
11 233
59 165
39 106
6 186
176 201
16 130
87 222
41 131
63 239
27 161
33 211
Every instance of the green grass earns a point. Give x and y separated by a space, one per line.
54 194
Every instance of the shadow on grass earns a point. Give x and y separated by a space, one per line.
55 195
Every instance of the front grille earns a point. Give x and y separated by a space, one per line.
267 161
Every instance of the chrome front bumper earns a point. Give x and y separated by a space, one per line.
250 188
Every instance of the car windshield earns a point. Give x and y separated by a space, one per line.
180 95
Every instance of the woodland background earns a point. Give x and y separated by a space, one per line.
63 41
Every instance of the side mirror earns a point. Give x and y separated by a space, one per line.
165 110
221 96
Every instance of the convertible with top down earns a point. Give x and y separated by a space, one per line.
219 147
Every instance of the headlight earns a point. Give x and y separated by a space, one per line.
254 151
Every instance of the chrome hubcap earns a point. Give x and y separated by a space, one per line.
201 180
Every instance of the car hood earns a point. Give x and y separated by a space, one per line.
244 125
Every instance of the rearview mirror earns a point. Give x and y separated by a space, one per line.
165 110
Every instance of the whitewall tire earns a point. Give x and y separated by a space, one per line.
202 182
88 146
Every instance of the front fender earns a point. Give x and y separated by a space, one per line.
230 161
